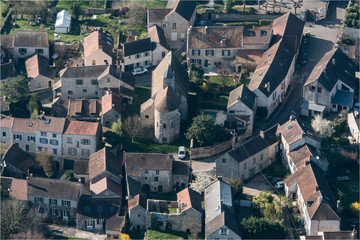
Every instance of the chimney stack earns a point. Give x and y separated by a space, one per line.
261 134
338 204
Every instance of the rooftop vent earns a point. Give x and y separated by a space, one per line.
223 42
46 121
289 127
30 124
309 203
320 199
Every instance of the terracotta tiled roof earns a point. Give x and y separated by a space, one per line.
104 184
29 38
188 198
79 128
146 104
24 125
84 107
248 56
81 167
98 40
137 200
255 144
18 158
83 72
38 65
104 160
303 154
293 131
111 101
179 73
51 124
216 37
339 235
17 187
135 162
289 29
243 94
166 100
333 66
315 191
6 121
54 188
157 35
115 223
257 36
7 41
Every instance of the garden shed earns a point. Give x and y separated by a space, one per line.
63 22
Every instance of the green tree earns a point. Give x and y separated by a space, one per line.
33 105
75 10
201 130
273 211
260 200
196 75
116 127
351 18
262 228
137 14
228 5
47 163
68 175
14 89
112 138
237 188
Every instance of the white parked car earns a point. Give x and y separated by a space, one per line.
182 152
138 71
279 184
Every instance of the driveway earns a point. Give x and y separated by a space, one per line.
204 166
144 79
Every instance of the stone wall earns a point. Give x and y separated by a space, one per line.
234 17
203 152
353 33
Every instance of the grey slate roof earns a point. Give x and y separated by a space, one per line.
184 8
29 38
166 100
90 207
312 106
83 72
138 46
243 94
158 14
328 73
272 69
255 145
54 188
157 35
343 98
134 187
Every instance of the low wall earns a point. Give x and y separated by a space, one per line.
235 17
353 33
210 151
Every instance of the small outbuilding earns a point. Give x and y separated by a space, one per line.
63 22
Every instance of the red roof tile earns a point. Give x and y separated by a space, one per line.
79 128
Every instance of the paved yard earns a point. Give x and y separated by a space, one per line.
76 233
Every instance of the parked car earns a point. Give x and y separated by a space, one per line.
279 184
202 23
357 107
275 180
139 71
182 152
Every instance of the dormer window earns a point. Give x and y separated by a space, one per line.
223 231
223 42
251 33
263 33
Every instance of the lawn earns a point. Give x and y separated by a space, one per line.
66 4
215 80
219 102
155 4
152 234
168 209
148 145
142 94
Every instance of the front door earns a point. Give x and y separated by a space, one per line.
49 84
339 108
310 113
206 63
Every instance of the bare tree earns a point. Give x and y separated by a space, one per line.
136 14
200 183
297 4
47 163
322 126
244 4
132 127
223 76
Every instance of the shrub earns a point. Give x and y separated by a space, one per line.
245 24
347 40
68 175
265 22
355 208
124 236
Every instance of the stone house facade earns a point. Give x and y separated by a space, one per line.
330 86
137 53
158 39
39 73
163 112
188 216
241 109
315 199
249 158
175 19
214 47
27 43
111 108
98 49
354 125
23 134
57 199
137 212
6 125
93 81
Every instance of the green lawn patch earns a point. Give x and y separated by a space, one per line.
148 145
152 234
219 102
245 81
155 4
66 4
215 80
142 94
